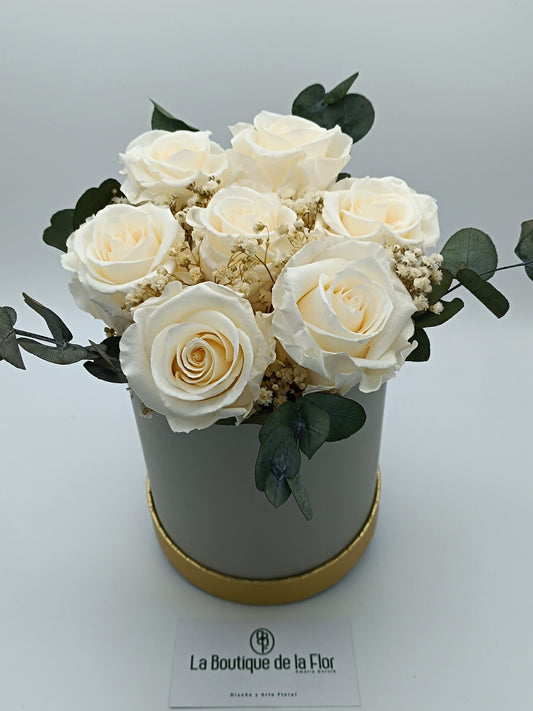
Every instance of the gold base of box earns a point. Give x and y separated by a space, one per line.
271 591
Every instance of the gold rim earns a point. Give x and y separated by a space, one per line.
273 591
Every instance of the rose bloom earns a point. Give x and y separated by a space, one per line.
384 210
196 355
234 212
159 164
287 152
341 312
114 250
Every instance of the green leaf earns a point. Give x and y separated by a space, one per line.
107 365
67 355
429 319
472 249
346 416
300 494
315 426
285 416
9 349
61 227
277 490
278 456
310 101
439 290
423 350
341 176
162 120
352 112
524 248
483 290
340 91
59 330
95 199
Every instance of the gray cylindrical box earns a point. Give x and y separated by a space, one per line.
204 496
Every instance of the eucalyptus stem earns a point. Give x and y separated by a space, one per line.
37 336
498 269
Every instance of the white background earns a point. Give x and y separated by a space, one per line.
440 604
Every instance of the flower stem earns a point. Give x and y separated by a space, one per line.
499 269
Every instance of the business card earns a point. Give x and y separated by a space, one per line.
282 663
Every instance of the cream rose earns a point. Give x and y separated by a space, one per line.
158 164
287 152
233 213
196 355
114 250
383 210
341 312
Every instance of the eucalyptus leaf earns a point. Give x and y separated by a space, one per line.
352 112
340 91
106 366
429 319
285 416
59 330
60 229
71 353
439 290
342 176
101 370
524 248
423 349
277 490
472 249
162 120
278 456
483 290
301 496
346 416
95 199
9 349
315 429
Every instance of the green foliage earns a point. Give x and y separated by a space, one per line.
61 227
102 359
429 319
524 248
162 120
60 355
95 199
489 296
65 222
423 349
352 112
472 249
9 349
106 366
59 330
304 424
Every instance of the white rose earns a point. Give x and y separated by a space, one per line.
114 250
287 152
196 355
384 210
233 213
158 164
341 312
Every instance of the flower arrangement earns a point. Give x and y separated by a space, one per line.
259 284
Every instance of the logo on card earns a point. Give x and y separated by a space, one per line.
262 641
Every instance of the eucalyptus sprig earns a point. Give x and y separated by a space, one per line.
301 425
102 360
470 259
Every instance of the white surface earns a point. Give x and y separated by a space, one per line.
440 604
